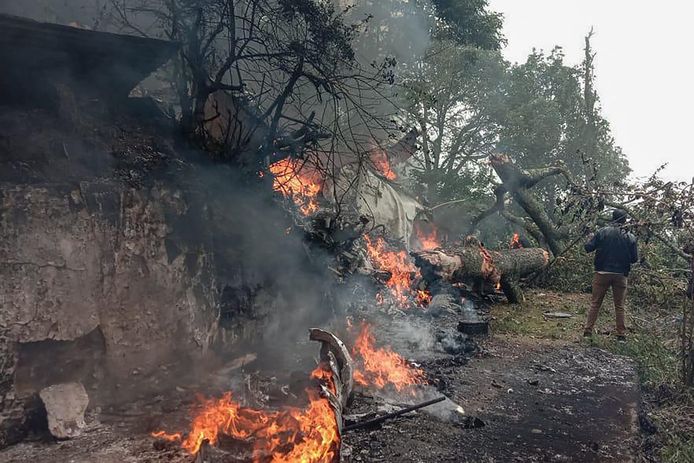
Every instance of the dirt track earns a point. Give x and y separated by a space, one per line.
538 403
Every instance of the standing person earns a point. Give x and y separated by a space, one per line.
615 251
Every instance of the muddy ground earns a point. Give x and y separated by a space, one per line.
527 399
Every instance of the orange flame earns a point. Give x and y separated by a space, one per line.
380 161
381 366
427 236
515 242
488 267
292 434
397 263
296 179
489 270
423 297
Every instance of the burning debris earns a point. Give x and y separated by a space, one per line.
400 272
427 236
310 434
299 181
379 159
291 434
226 428
381 367
288 435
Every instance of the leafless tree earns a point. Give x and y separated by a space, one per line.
289 67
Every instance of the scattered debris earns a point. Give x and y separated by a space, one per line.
472 422
472 327
557 315
541 367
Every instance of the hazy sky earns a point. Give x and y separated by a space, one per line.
644 68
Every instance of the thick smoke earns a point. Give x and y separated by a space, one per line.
265 268
267 273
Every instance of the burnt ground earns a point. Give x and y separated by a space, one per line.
528 400
543 402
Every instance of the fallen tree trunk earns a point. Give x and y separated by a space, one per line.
518 183
476 263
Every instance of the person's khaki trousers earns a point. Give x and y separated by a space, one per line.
601 283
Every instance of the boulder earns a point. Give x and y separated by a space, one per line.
65 405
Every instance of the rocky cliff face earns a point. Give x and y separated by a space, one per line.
125 255
97 258
107 267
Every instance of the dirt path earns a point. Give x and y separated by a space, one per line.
543 402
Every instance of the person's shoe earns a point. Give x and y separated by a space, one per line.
621 338
587 334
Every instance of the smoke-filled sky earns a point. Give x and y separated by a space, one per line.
643 68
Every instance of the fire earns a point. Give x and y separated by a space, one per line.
427 236
488 267
382 164
298 180
381 366
291 434
397 263
489 270
515 242
423 297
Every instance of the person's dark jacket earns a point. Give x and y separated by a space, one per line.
616 250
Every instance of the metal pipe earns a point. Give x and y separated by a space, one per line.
387 416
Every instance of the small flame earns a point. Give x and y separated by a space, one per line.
380 367
423 297
296 179
515 242
397 263
427 236
380 160
288 435
489 270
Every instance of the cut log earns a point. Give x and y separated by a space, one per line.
458 264
476 263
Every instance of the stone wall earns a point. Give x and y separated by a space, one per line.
97 257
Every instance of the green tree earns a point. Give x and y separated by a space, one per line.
553 116
469 22
454 99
